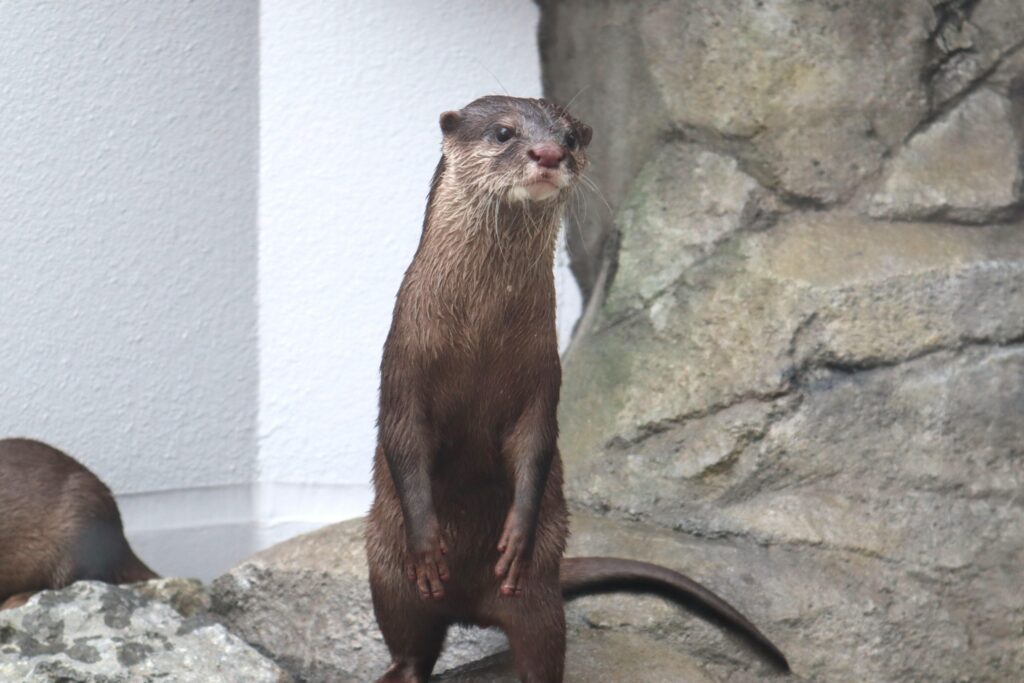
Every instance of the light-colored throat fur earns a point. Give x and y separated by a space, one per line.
478 236
484 268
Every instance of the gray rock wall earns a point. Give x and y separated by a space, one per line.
805 331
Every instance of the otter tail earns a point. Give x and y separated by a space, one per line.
590 575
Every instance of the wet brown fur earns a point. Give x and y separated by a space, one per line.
58 524
467 458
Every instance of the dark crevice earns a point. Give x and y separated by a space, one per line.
732 146
647 430
798 379
949 12
854 367
1006 215
954 13
947 106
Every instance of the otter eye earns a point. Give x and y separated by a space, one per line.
570 141
504 134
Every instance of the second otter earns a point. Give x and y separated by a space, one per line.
469 522
58 524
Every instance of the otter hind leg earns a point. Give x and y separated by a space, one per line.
415 647
414 630
535 625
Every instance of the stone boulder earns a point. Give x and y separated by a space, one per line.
97 633
805 333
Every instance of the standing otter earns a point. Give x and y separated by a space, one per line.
469 522
58 524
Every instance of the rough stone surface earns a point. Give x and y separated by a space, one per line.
189 597
96 633
691 200
810 98
803 356
306 604
848 391
966 166
778 74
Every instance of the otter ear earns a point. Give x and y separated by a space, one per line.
585 133
450 120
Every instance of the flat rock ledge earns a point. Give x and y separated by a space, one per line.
97 633
306 604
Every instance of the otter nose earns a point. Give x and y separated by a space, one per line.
547 155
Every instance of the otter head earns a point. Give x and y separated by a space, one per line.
516 149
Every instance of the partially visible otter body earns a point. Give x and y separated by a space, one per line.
469 522
58 524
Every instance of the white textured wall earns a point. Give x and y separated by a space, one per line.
351 92
128 241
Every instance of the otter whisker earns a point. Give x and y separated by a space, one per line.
491 74
591 185
578 93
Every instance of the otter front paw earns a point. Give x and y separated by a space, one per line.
514 563
426 566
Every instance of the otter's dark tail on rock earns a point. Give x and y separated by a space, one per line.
589 575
